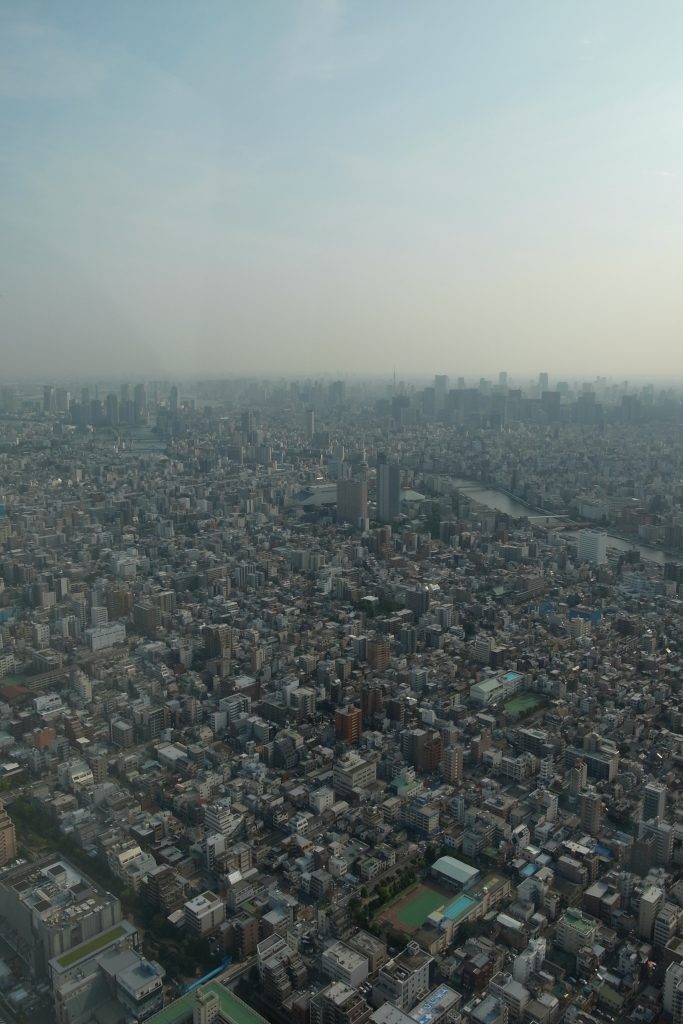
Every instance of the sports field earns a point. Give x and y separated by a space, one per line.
410 910
523 703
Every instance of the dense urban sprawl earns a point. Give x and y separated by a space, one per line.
331 702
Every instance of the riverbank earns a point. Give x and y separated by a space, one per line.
502 500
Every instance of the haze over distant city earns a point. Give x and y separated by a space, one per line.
325 187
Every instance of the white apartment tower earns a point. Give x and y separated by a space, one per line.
592 546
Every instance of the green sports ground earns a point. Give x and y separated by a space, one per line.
409 911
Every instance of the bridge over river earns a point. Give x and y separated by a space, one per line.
503 501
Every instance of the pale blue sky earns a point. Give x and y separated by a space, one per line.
326 186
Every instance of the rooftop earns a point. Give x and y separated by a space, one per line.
435 1005
231 1007
94 945
455 869
575 919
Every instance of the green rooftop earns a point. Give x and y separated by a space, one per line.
93 946
580 923
232 1008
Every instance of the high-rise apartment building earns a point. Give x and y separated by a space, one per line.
405 979
348 724
654 801
217 640
590 809
8 838
575 929
388 490
592 546
352 772
659 837
452 764
379 653
338 1003
650 902
204 914
352 501
673 992
49 399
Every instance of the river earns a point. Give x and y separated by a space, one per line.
493 498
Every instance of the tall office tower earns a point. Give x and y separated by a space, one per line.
310 424
49 399
440 390
400 408
337 394
85 404
8 838
352 501
654 801
173 399
125 393
247 425
551 402
590 808
452 764
503 379
543 381
388 490
62 397
9 400
592 546
96 412
112 410
140 403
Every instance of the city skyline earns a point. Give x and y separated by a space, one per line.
340 703
255 188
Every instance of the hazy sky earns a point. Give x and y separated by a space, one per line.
321 186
